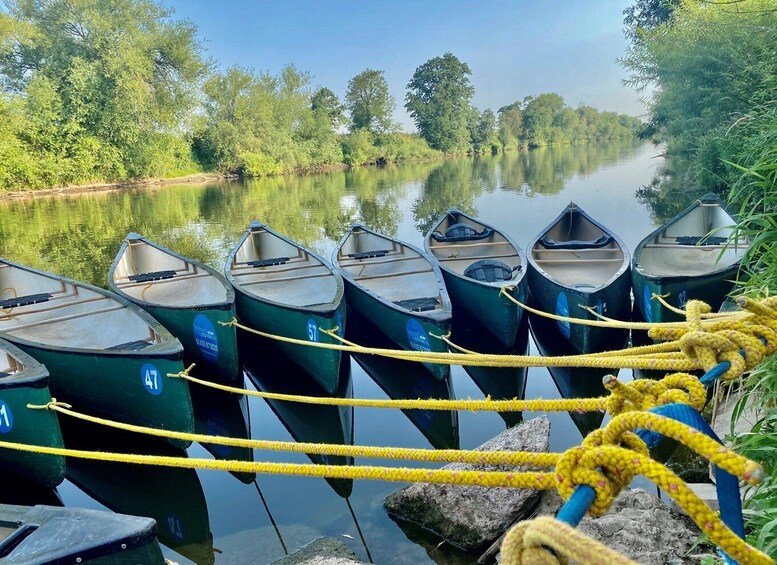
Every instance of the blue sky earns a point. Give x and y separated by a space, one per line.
514 49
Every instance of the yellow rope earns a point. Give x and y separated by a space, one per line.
432 455
484 405
529 479
528 542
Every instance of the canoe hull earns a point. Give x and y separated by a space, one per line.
131 388
494 312
19 424
207 343
712 289
613 301
323 365
410 332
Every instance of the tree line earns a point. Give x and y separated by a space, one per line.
93 91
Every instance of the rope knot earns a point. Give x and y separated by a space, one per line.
53 403
594 464
182 374
644 394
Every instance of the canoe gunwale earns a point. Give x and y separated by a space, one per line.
168 347
34 374
667 279
438 315
323 309
494 285
625 264
221 305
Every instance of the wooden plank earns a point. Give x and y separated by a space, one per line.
50 308
390 275
161 281
284 279
477 257
368 261
64 318
578 260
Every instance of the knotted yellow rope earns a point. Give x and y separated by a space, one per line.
529 542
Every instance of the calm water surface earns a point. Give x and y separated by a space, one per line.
521 193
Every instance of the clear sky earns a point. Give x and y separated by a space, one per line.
514 48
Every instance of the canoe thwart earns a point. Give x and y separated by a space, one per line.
130 346
268 262
419 304
700 240
550 243
152 276
490 271
369 254
25 300
462 232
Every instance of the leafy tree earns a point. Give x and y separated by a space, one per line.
326 102
112 81
484 136
645 16
510 125
438 99
369 102
539 114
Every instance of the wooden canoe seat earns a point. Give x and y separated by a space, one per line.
25 300
419 304
462 232
602 241
130 346
700 240
152 276
369 254
268 262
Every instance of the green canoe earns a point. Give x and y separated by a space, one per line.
478 263
105 356
46 534
407 380
695 255
187 297
285 289
397 288
24 381
575 263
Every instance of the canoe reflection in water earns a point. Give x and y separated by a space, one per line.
271 371
171 496
500 383
407 380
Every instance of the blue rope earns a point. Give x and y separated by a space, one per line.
578 504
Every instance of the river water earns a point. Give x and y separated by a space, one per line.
212 516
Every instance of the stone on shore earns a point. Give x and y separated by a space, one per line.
322 551
471 517
638 525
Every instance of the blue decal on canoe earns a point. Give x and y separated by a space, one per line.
340 323
682 299
417 336
647 304
174 526
6 418
562 309
312 330
205 338
151 379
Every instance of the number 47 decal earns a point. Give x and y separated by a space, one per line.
151 379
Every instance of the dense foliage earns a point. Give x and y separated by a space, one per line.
94 91
713 69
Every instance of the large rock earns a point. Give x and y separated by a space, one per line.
638 525
322 551
471 517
